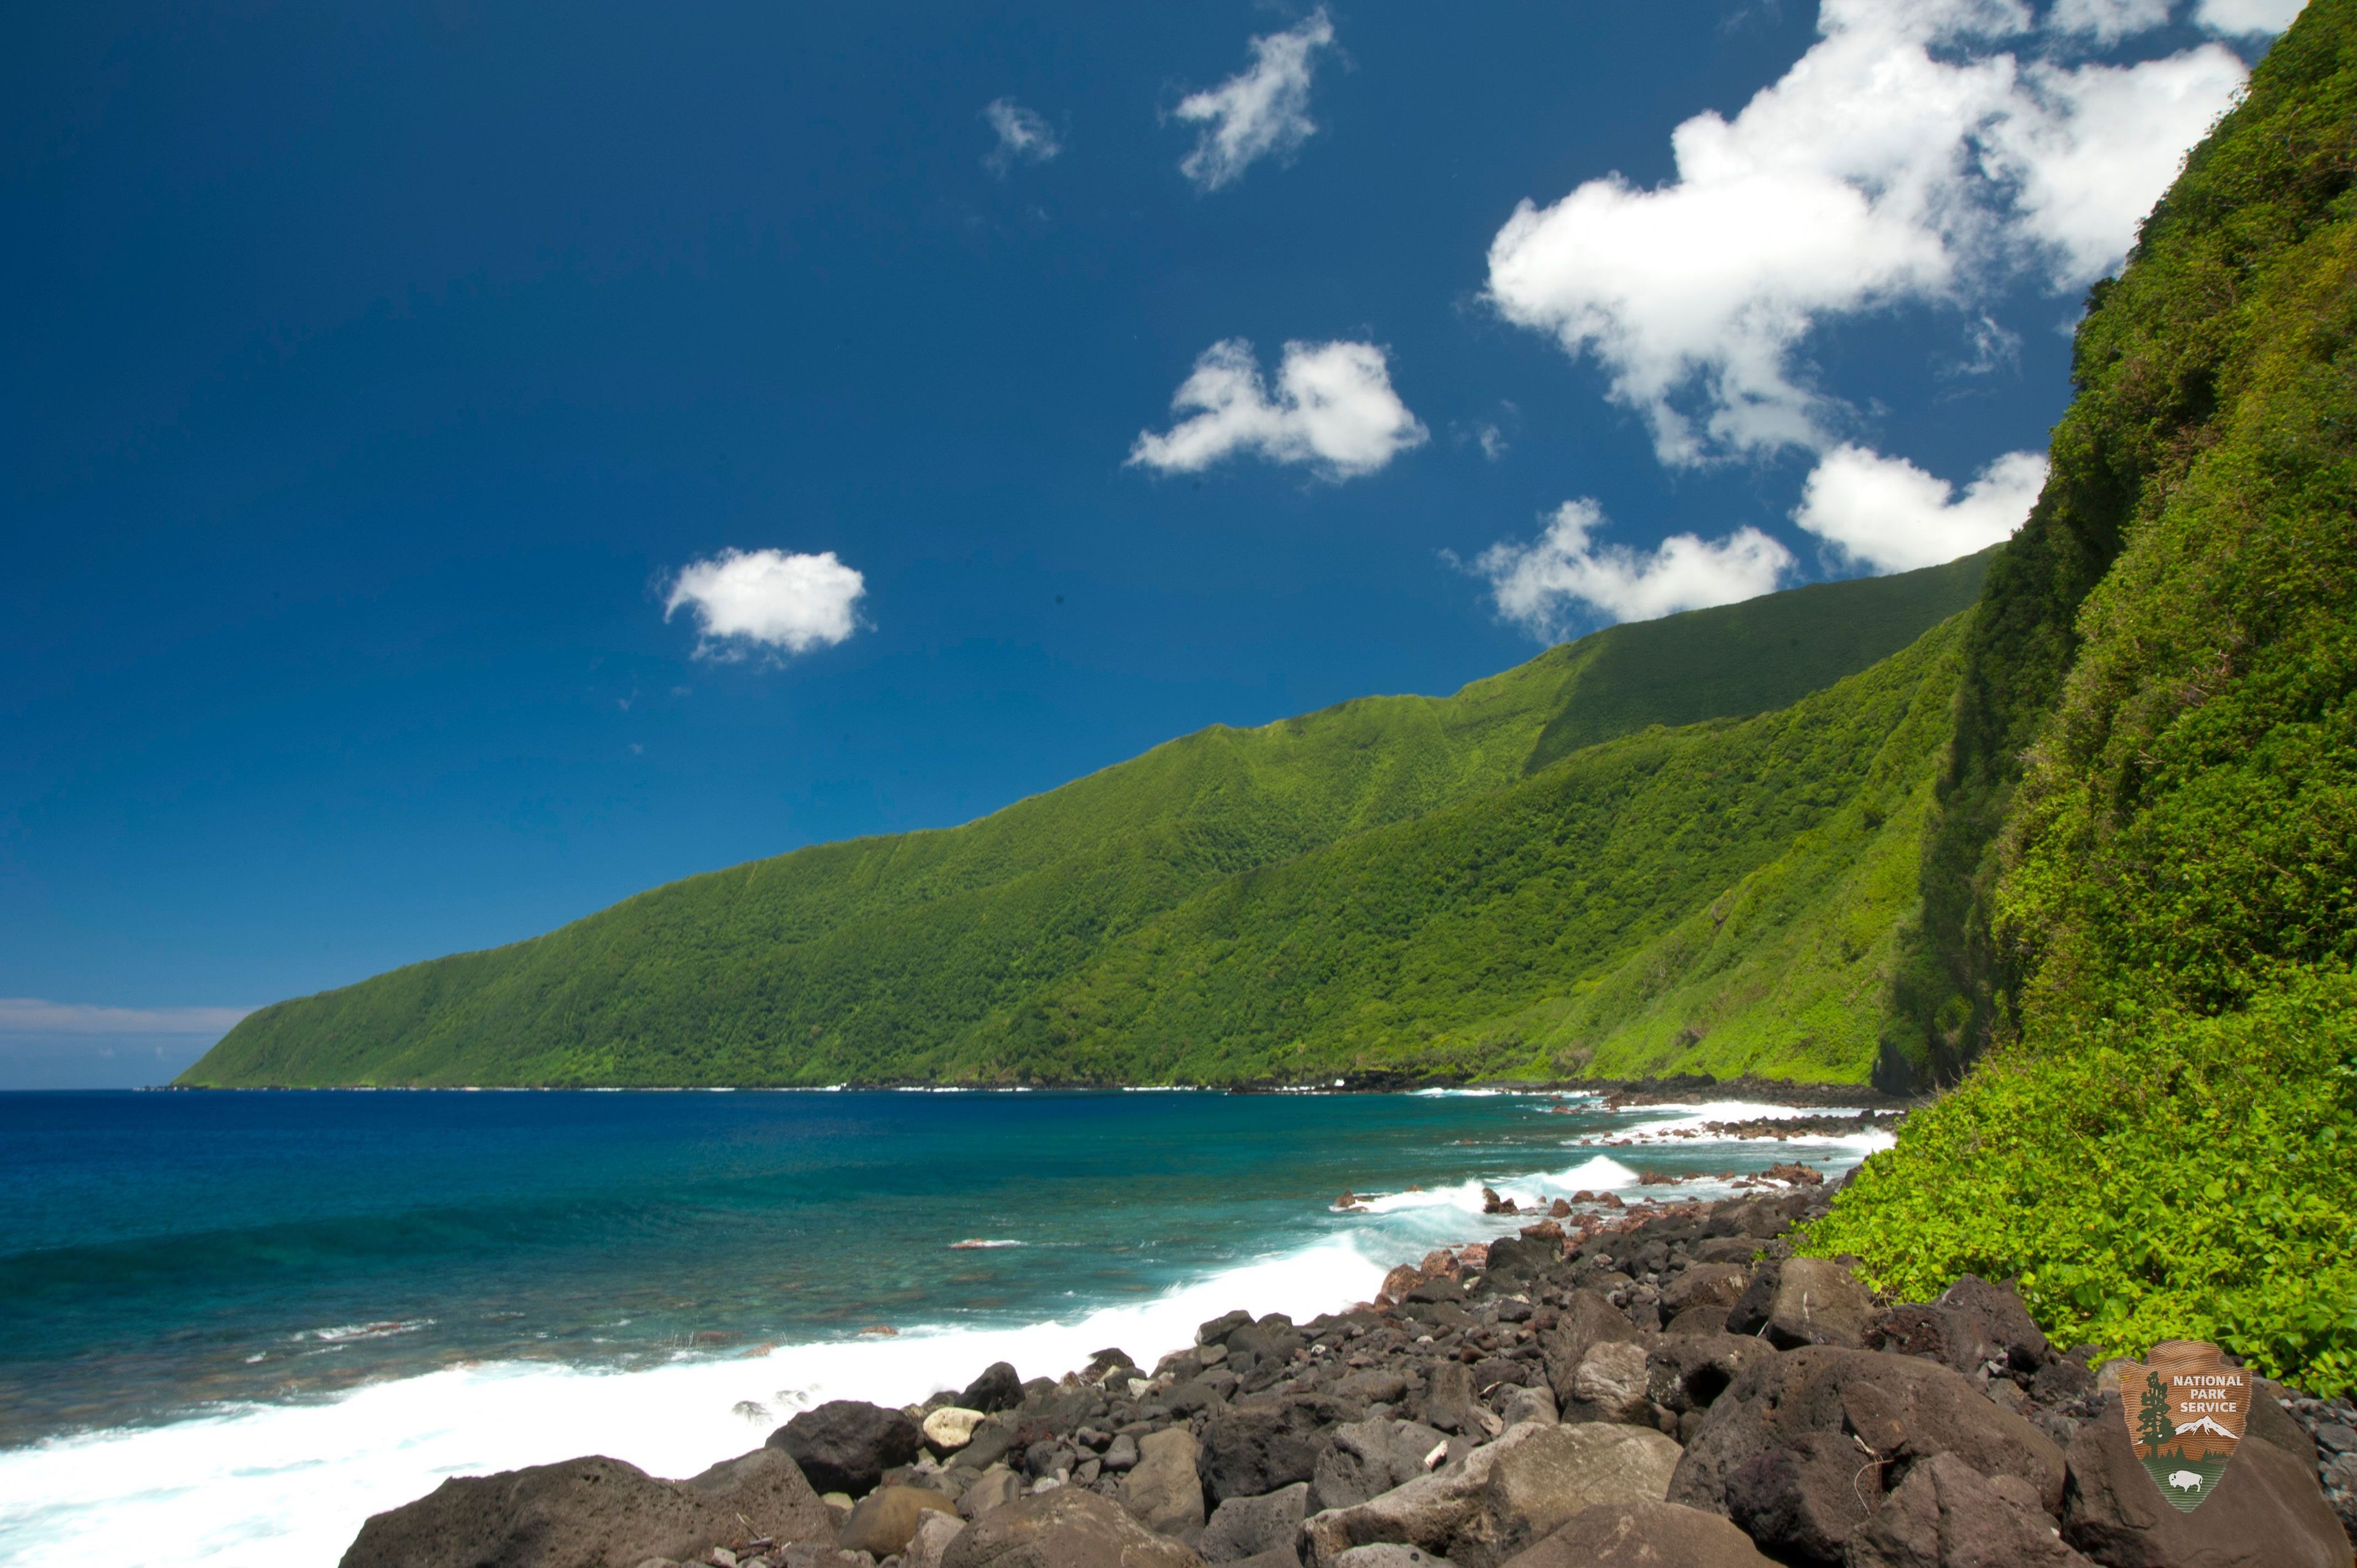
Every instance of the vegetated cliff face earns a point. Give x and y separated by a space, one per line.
2158 926
1427 883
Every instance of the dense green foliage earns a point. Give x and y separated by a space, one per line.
2164 1140
1159 920
1446 940
2156 368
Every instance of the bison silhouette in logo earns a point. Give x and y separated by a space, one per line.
2186 1410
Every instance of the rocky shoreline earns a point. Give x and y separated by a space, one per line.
1662 1383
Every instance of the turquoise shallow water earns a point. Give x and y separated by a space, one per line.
190 1283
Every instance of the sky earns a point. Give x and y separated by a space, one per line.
465 464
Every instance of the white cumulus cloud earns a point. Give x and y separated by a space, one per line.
1261 110
1023 133
1890 515
2248 18
2088 151
32 1015
1901 158
1564 577
746 601
1333 407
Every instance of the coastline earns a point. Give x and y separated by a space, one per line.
1654 1091
1460 1413
351 1448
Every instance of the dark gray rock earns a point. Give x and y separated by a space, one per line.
994 1487
1244 1527
1163 1491
592 1513
1893 1409
2059 1382
1539 1483
1611 1384
1273 1338
1066 1527
1587 1320
1516 1262
1758 1218
846 1445
1818 1302
1972 1324
1260 1444
1804 1498
1198 1393
1643 1535
1491 1372
992 1440
1450 1404
1698 1284
1688 1371
1375 1385
1946 1514
1368 1458
1217 1331
2270 1422
1704 1317
1749 1313
997 1389
1438 1316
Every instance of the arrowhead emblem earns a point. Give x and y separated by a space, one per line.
2186 1410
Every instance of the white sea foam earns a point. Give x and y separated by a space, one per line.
1683 1125
343 1332
286 1487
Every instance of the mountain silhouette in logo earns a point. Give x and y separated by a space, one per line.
2201 1437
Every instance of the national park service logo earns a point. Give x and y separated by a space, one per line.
2186 1408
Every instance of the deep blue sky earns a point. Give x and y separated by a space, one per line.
371 369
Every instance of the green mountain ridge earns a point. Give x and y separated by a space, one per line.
1067 937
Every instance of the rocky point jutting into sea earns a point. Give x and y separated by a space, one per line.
1620 1384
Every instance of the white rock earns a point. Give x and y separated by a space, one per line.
951 1427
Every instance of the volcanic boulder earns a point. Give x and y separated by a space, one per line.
846 1445
592 1513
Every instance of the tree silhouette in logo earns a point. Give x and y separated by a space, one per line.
2153 1428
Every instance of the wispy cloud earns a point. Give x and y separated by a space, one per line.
1333 408
2108 21
1564 577
2248 18
32 1015
767 601
1024 135
1260 110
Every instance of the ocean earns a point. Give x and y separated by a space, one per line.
234 1324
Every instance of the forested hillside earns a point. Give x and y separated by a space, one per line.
2142 891
1170 917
